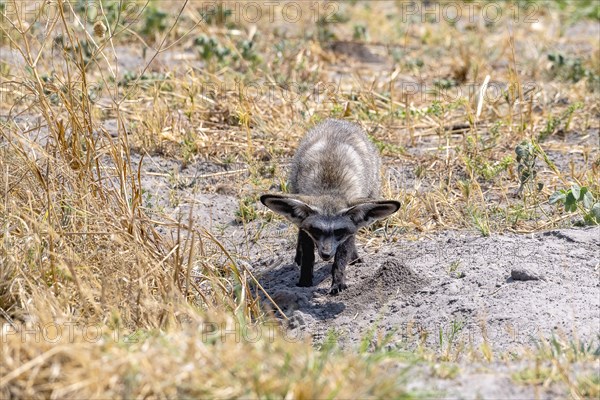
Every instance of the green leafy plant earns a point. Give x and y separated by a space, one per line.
581 9
147 80
445 83
567 68
453 270
572 69
155 20
248 51
325 23
436 108
578 197
209 47
360 32
480 220
387 148
450 338
526 156
247 211
477 162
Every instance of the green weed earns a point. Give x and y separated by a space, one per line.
572 69
155 20
447 341
526 157
581 9
218 16
453 270
578 198
209 48
480 220
360 32
388 148
476 162
554 122
247 210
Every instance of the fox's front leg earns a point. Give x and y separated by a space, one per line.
354 258
344 254
305 257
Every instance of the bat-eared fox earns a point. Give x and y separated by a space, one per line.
334 185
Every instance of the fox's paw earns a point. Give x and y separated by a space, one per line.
336 288
304 284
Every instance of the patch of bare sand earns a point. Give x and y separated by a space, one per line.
414 290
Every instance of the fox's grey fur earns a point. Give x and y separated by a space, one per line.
334 181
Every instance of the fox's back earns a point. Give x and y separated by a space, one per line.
336 158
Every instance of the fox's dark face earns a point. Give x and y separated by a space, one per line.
328 232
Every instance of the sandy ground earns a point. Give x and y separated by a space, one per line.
509 290
451 292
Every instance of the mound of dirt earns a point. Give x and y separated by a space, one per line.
393 275
391 278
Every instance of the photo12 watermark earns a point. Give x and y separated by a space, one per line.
324 92
436 333
208 332
453 12
238 12
63 332
128 12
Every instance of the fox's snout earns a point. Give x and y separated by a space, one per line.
327 248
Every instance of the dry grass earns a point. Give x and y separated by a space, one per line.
190 363
78 246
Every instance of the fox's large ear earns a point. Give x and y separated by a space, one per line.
366 213
291 208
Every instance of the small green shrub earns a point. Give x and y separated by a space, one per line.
248 51
247 211
526 157
476 160
209 48
360 32
578 197
572 69
155 20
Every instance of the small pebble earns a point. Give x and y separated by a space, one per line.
524 274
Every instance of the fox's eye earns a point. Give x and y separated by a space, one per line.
339 233
316 232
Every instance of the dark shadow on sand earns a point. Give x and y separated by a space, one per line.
280 282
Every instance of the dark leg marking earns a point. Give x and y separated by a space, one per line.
305 257
298 258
